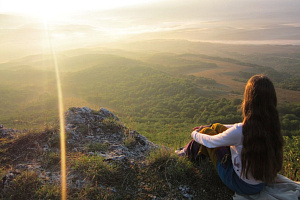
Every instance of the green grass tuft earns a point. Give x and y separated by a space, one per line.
97 147
50 159
95 169
111 124
49 191
24 186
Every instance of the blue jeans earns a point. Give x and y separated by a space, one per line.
233 182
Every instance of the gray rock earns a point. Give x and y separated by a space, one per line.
87 127
107 113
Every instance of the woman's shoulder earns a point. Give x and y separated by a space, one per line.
236 131
239 125
235 128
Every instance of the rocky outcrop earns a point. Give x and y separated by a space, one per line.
88 128
98 133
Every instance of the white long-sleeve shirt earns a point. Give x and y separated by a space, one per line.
232 137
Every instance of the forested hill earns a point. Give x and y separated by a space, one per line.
162 95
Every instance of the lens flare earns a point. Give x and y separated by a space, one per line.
61 119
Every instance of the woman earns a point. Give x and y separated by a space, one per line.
256 144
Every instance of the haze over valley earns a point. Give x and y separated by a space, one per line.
130 56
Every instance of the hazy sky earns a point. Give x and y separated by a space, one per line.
135 16
74 23
175 9
50 8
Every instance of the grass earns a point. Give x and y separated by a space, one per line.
23 186
49 191
93 147
50 159
130 140
95 169
173 172
95 193
23 147
28 185
291 158
162 175
171 167
111 124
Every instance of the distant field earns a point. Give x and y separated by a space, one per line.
222 75
219 74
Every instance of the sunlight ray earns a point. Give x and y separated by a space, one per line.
61 118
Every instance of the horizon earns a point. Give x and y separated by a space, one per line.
96 23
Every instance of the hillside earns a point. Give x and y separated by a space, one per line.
160 94
107 160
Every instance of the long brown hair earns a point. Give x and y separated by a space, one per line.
262 153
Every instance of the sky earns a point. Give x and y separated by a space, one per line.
56 8
77 23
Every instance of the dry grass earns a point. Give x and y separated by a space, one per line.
24 147
221 75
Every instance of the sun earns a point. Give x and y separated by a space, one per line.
46 13
55 9
42 9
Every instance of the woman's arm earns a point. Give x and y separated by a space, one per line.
231 136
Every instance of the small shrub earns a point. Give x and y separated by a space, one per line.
72 109
111 124
130 138
51 159
23 186
176 169
54 141
129 141
96 169
109 121
48 191
159 156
